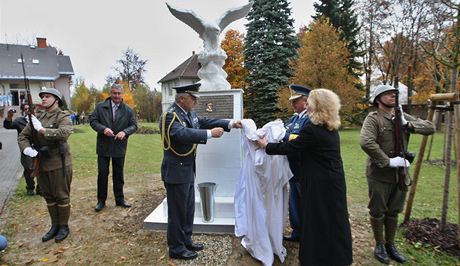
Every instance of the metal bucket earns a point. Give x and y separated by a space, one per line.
208 205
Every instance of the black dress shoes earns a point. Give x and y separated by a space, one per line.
62 233
186 255
195 247
123 203
51 233
394 253
380 254
291 238
99 206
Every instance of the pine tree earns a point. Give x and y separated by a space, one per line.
269 45
342 16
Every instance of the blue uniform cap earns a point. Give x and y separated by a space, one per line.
298 91
189 88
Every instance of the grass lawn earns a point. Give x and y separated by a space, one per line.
115 236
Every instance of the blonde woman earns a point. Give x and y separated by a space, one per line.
325 231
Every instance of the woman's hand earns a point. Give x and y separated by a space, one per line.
261 143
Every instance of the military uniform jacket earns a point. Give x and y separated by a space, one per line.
294 125
377 140
102 118
58 128
180 136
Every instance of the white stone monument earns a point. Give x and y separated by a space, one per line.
220 160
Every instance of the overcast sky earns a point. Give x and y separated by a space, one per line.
94 33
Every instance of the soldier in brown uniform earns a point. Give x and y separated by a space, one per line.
54 127
386 199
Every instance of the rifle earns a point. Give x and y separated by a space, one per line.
400 148
33 132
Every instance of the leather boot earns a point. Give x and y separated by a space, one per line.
54 216
64 214
379 252
391 225
62 233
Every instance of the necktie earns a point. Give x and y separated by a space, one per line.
114 111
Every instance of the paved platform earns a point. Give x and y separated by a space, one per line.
10 165
224 223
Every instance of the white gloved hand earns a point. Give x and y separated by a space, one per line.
399 162
37 124
30 152
403 120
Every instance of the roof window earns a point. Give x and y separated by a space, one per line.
35 61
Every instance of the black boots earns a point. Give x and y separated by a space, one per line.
391 225
394 253
62 233
383 252
51 233
379 252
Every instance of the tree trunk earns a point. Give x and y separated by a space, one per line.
447 163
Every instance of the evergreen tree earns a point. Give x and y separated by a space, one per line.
342 16
269 46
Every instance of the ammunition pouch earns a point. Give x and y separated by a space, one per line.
410 156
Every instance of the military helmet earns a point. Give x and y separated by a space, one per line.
51 91
379 90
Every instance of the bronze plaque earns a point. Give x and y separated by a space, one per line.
219 106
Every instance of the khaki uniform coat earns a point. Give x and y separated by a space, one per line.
58 128
377 141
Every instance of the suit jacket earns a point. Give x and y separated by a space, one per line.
180 133
102 118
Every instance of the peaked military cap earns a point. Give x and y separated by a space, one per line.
298 91
189 88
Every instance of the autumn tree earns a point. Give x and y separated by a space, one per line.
82 100
233 45
322 63
130 68
148 103
269 45
341 15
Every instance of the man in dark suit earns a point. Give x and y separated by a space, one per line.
181 131
114 122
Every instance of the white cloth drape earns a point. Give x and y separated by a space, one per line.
261 196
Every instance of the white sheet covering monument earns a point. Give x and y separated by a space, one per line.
220 160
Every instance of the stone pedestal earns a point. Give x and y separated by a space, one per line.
218 161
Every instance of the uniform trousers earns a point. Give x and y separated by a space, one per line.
181 209
26 163
385 199
55 187
103 163
294 207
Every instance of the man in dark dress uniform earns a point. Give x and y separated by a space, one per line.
181 131
386 199
114 122
298 99
19 123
